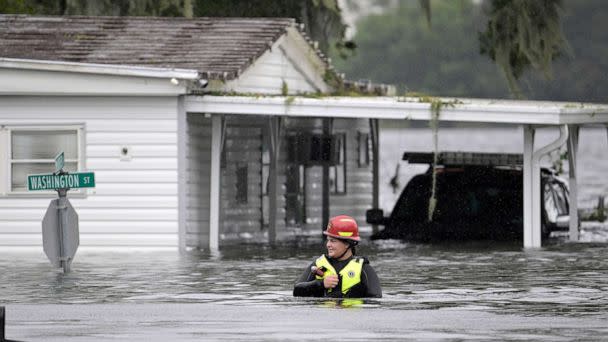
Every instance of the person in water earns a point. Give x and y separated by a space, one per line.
339 273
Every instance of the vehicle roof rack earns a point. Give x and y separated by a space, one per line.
465 158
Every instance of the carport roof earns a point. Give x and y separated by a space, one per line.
406 108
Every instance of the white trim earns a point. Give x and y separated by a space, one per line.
215 199
4 164
92 68
528 194
80 161
294 47
182 174
455 110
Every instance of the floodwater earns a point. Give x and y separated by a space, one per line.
447 292
475 291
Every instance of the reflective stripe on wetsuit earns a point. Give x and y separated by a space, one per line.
350 274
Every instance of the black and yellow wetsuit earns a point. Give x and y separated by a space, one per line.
357 279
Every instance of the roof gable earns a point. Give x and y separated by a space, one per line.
290 66
218 48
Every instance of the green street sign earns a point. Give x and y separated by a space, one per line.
63 181
59 162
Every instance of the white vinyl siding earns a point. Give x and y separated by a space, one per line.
242 178
358 179
198 156
267 74
134 202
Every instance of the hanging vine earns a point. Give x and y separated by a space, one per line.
434 124
522 34
436 106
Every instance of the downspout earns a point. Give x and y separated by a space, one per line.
572 182
373 124
536 184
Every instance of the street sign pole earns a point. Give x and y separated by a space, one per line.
60 235
61 224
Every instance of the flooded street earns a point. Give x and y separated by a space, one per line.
431 292
449 292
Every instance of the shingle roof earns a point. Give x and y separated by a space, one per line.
216 47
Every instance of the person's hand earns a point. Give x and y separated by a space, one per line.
330 281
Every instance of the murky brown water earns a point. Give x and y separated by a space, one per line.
428 291
450 292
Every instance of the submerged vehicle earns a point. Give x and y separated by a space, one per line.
479 196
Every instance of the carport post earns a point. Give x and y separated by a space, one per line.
274 125
217 132
528 208
573 186
182 169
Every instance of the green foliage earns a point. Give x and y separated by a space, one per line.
399 48
26 7
322 19
162 8
521 34
581 75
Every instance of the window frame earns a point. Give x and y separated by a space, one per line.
241 183
6 133
363 149
338 171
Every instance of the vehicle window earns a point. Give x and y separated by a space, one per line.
551 208
413 202
561 199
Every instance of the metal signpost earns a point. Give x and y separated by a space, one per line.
60 235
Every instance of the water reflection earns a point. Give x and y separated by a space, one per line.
560 279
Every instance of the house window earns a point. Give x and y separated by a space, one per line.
265 185
337 172
241 183
32 150
363 148
295 195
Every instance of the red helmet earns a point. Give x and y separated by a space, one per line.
343 227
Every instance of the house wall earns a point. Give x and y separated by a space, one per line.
242 215
358 196
267 74
134 202
198 161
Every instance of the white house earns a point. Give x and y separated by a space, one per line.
111 93
189 150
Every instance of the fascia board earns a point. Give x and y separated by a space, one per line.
102 69
466 110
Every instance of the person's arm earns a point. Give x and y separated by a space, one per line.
307 285
372 283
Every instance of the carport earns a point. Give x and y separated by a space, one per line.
531 115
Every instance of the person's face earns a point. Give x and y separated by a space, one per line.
335 247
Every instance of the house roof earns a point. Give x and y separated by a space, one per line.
218 48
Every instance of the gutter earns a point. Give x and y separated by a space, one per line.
102 69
